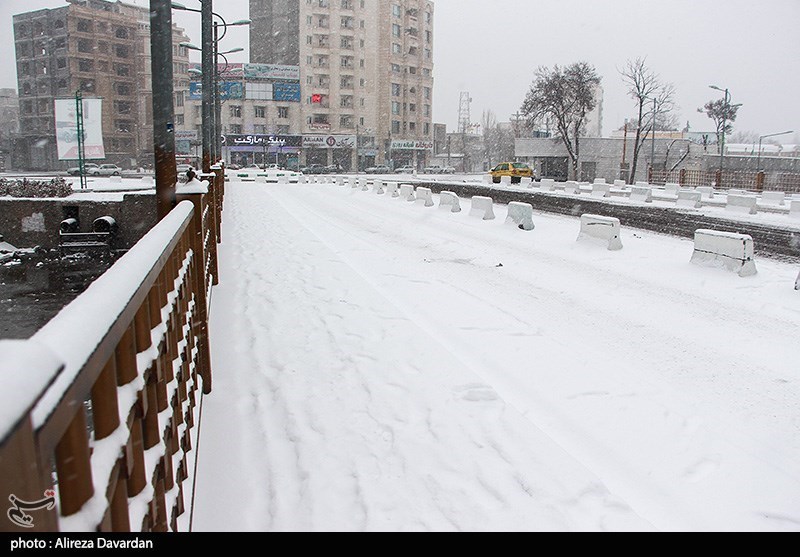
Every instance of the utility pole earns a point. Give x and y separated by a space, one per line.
163 109
653 146
209 71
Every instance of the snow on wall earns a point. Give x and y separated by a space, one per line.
734 252
520 215
689 198
424 197
742 204
75 332
449 201
641 194
606 230
482 207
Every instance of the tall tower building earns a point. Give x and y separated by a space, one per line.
366 72
101 48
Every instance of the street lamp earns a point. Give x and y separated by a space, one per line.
760 139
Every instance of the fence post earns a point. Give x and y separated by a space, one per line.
650 175
682 177
718 179
760 180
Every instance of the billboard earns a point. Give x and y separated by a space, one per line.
329 141
272 71
411 145
67 129
288 92
260 140
227 90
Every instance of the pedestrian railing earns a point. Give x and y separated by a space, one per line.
100 407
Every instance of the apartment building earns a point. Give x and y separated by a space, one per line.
102 49
366 68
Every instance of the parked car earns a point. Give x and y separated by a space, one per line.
378 170
405 170
334 169
314 169
436 169
106 170
516 170
89 167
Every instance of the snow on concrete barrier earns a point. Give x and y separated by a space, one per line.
641 194
794 209
689 198
364 183
724 249
602 229
672 189
424 197
572 188
528 182
391 189
797 282
148 180
283 179
706 192
302 179
261 178
547 185
378 187
619 183
520 215
601 189
742 204
643 184
354 183
407 192
341 181
482 207
773 198
505 180
487 179
449 200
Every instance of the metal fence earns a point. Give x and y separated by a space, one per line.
729 179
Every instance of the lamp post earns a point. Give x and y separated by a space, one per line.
763 137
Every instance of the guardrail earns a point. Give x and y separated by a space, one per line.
101 405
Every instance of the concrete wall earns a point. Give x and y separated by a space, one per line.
26 223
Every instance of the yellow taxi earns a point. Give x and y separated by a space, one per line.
517 171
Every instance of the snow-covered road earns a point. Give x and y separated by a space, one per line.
383 366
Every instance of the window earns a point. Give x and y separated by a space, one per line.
179 99
396 49
348 22
346 82
260 129
235 129
236 111
346 101
395 107
124 126
123 107
179 120
395 127
85 65
427 128
346 62
283 112
84 45
396 10
283 130
123 89
122 51
427 91
396 89
122 70
85 25
346 121
347 43
261 111
121 33
395 30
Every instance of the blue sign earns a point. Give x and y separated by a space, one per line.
227 90
289 92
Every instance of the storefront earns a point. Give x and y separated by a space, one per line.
245 150
330 150
404 152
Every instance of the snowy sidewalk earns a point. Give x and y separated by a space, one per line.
380 366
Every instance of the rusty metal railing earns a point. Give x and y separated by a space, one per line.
102 402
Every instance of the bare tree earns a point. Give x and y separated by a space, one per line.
498 141
723 113
566 96
654 104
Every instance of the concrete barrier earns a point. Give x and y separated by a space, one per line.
341 181
689 198
449 201
424 197
706 192
794 209
261 179
742 204
283 179
482 207
528 182
672 189
547 184
734 252
520 215
487 179
601 189
407 192
364 183
392 189
572 188
643 184
797 282
641 194
505 180
600 229
773 198
354 183
620 184
148 180
378 187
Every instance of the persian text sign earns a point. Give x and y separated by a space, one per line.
272 71
329 141
411 145
67 129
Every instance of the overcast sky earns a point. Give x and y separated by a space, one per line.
492 49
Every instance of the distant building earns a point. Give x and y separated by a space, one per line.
366 68
9 116
102 49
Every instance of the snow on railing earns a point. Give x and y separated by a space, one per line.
98 407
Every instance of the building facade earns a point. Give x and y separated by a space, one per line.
366 68
9 115
101 49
